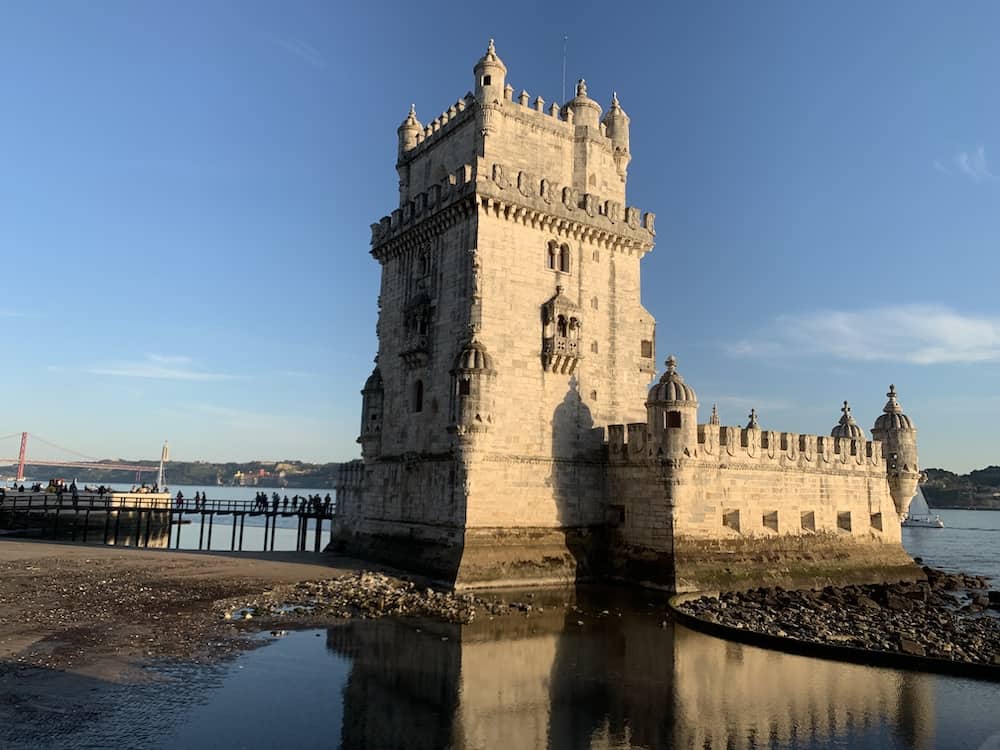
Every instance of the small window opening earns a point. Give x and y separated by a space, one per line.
486 80
593 395
731 519
673 419
593 303
808 520
770 520
593 347
418 396
552 254
561 326
564 259
844 520
464 387
647 349
877 521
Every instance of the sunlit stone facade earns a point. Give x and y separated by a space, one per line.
508 431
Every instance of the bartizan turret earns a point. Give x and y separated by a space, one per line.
371 415
899 446
616 126
472 402
490 73
672 415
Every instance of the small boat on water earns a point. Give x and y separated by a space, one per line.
920 515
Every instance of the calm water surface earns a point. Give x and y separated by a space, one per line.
594 668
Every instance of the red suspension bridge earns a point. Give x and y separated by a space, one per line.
82 461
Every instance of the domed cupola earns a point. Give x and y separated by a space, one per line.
892 417
473 359
374 382
585 110
671 390
847 427
672 415
471 396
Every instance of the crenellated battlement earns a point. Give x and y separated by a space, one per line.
524 197
435 130
742 445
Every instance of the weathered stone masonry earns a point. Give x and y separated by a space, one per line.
508 434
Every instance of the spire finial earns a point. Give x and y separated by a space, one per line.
846 410
413 110
581 87
671 363
490 49
714 419
892 405
614 99
753 424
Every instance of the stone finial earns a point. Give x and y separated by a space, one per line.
413 112
490 49
581 87
671 363
753 424
892 405
714 419
508 92
614 100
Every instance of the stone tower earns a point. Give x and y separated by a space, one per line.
510 334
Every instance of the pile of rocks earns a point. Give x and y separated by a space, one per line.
947 617
365 595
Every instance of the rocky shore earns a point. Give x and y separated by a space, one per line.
950 616
364 594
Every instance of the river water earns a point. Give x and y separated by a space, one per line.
592 668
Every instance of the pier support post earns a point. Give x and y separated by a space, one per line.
274 524
319 532
242 519
266 521
201 533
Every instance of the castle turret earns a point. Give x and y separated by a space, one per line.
408 131
586 112
616 124
371 415
847 427
490 72
672 415
899 446
472 404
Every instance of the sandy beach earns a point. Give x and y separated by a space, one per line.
99 611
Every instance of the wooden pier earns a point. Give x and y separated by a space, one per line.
145 520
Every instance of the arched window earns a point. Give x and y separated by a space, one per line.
564 258
561 326
464 387
418 396
553 252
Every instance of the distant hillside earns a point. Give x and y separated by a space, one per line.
296 474
979 489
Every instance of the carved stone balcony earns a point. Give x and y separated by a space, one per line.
560 354
417 351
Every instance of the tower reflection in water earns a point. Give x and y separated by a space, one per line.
625 680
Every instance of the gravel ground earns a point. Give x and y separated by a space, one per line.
948 617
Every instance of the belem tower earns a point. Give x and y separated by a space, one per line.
509 432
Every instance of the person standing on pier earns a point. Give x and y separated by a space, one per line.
180 499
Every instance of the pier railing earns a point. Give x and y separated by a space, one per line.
124 514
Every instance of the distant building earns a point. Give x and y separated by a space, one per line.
508 431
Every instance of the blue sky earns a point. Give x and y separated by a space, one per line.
186 189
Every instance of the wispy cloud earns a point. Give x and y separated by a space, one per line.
244 419
12 314
970 164
158 366
919 334
302 50
296 374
